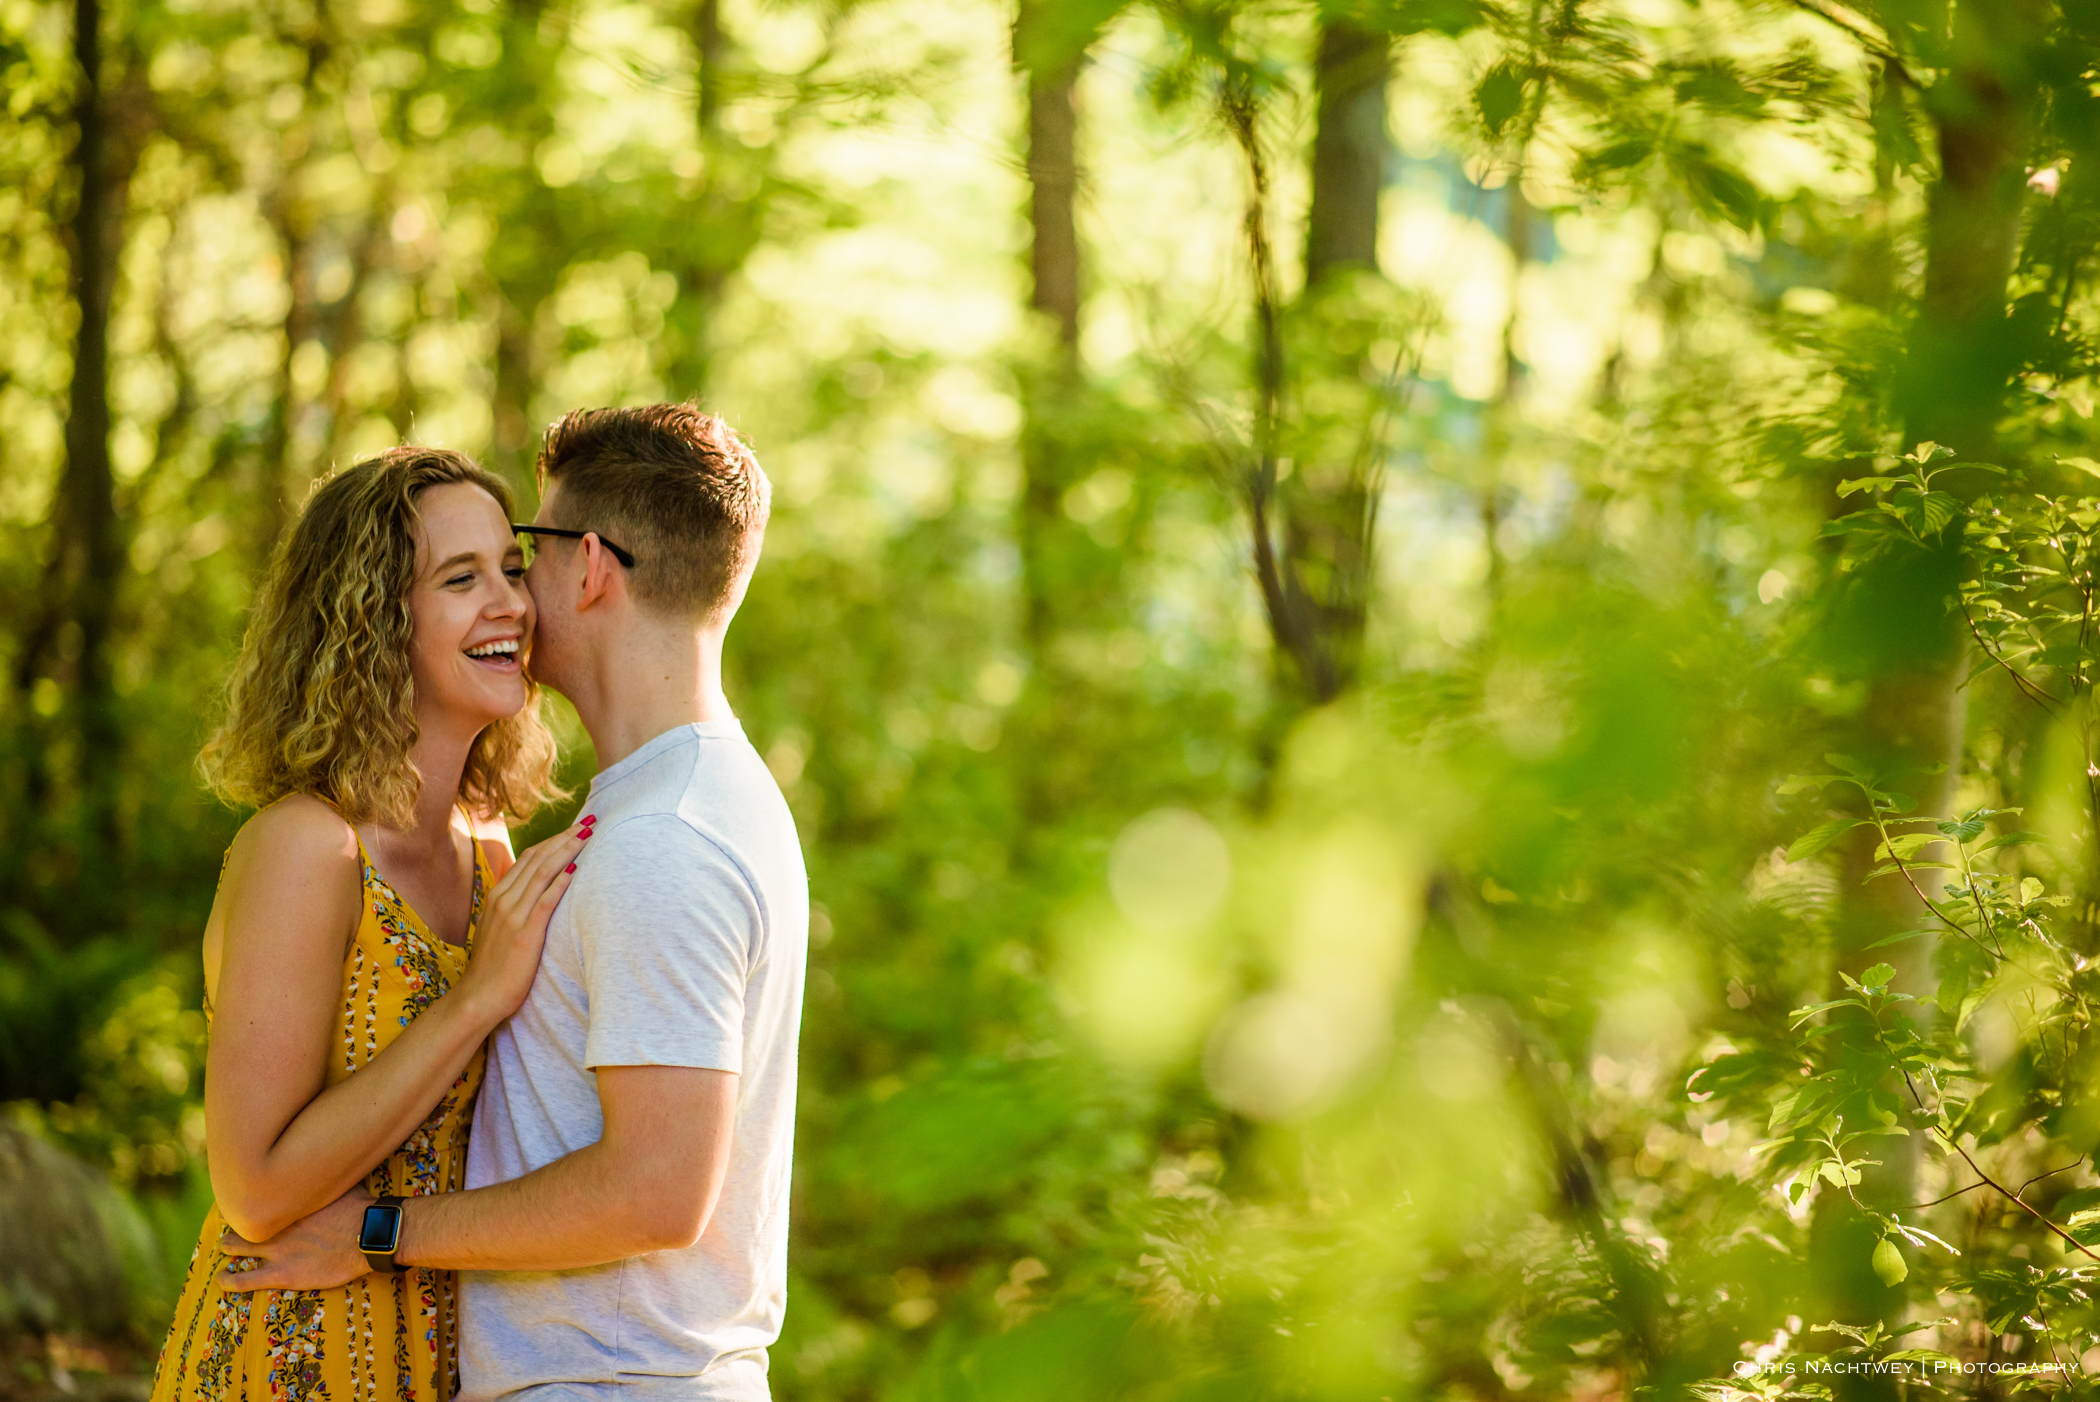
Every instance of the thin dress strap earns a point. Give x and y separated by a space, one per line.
480 877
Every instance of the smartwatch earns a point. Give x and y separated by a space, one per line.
380 1235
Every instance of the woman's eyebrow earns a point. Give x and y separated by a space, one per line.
465 557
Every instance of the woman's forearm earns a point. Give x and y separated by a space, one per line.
351 1127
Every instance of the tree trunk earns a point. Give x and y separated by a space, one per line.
1315 560
1053 265
1349 150
1960 359
1053 176
273 475
727 227
72 759
511 428
519 285
1520 233
1068 581
1957 370
89 554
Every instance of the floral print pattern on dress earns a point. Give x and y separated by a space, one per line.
379 1339
295 1325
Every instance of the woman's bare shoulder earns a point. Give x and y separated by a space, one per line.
292 883
493 835
491 827
298 833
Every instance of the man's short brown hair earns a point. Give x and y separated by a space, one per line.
676 487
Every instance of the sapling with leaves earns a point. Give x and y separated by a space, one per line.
1878 1062
2026 594
1986 1054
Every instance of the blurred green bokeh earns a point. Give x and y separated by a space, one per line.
1310 541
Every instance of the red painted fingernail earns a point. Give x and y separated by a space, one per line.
572 866
589 818
584 835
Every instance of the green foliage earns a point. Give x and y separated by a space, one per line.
1665 966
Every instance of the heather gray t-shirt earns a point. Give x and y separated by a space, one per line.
681 942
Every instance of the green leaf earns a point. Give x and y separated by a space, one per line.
1858 523
1878 976
1717 186
1864 484
1945 1362
1500 96
1818 839
1800 1015
2012 839
1904 846
1936 509
1889 1263
1620 155
1914 864
2082 464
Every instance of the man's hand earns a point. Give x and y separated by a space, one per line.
314 1253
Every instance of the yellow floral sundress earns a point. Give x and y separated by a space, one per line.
380 1338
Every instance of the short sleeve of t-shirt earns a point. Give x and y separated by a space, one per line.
667 928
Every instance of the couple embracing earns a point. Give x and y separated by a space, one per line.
480 1125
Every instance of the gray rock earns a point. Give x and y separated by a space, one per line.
74 1252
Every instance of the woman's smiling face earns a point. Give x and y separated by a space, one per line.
472 614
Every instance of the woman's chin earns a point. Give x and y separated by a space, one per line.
494 701
514 696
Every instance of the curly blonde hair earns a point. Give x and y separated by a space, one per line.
322 700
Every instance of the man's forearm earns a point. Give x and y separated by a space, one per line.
575 1212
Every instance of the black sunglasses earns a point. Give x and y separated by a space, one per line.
617 553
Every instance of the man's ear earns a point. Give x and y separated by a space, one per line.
602 577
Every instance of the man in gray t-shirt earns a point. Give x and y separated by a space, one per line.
680 943
624 1224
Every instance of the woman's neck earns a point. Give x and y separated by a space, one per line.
440 756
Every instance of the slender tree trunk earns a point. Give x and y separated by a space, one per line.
1067 580
726 224
1053 177
1959 363
1958 367
711 42
1349 149
1053 265
273 475
280 475
511 428
519 286
1951 390
1313 526
1520 233
90 541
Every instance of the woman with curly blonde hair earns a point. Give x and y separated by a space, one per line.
371 928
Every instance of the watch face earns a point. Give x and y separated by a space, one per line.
382 1228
